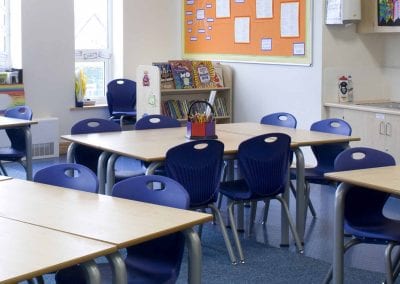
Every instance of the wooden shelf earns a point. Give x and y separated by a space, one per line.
224 93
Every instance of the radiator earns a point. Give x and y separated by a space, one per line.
45 138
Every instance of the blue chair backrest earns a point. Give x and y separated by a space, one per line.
264 163
167 250
197 166
326 154
121 95
280 119
69 175
88 156
17 135
155 121
153 189
363 205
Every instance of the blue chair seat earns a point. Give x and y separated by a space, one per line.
11 154
378 233
17 150
314 175
238 190
120 113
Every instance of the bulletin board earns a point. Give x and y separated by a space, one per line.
259 31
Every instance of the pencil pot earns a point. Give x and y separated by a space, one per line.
201 121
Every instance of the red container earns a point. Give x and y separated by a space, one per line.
201 130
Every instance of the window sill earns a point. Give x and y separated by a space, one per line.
96 106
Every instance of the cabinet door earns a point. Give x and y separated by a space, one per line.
358 121
374 127
392 132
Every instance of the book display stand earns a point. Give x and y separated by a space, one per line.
176 102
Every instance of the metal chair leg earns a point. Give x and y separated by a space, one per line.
388 263
234 230
291 224
221 223
349 244
266 209
310 205
253 212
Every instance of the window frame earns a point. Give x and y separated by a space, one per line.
5 56
100 55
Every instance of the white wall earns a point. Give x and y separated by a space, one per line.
48 61
48 51
347 52
151 32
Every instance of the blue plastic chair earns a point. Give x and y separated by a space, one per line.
155 261
155 121
69 175
197 165
17 150
73 176
325 154
264 163
89 156
283 119
364 219
121 100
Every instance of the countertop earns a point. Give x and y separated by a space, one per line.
359 106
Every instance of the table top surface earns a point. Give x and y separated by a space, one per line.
153 144
9 122
29 251
300 137
385 179
115 220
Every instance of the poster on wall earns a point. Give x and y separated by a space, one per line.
261 31
388 13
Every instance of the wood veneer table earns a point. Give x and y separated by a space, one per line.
386 179
29 251
152 146
7 123
299 138
146 145
117 221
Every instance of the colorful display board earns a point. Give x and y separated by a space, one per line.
266 31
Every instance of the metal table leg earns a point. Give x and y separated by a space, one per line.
110 180
195 257
92 272
118 268
101 171
338 244
28 145
152 167
71 152
300 196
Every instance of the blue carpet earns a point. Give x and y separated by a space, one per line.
265 264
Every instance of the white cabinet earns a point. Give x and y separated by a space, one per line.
376 130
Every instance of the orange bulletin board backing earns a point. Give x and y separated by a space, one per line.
264 31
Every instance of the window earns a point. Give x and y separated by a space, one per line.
5 34
93 46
